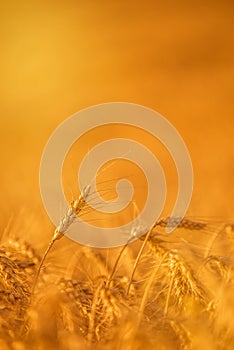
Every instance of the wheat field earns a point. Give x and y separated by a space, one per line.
180 295
161 291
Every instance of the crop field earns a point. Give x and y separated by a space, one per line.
160 291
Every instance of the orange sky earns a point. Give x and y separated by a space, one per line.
175 57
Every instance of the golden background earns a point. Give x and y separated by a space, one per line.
59 57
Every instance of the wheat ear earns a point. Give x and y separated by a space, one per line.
71 214
163 222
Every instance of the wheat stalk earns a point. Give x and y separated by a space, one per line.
72 212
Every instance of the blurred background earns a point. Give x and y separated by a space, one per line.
59 57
